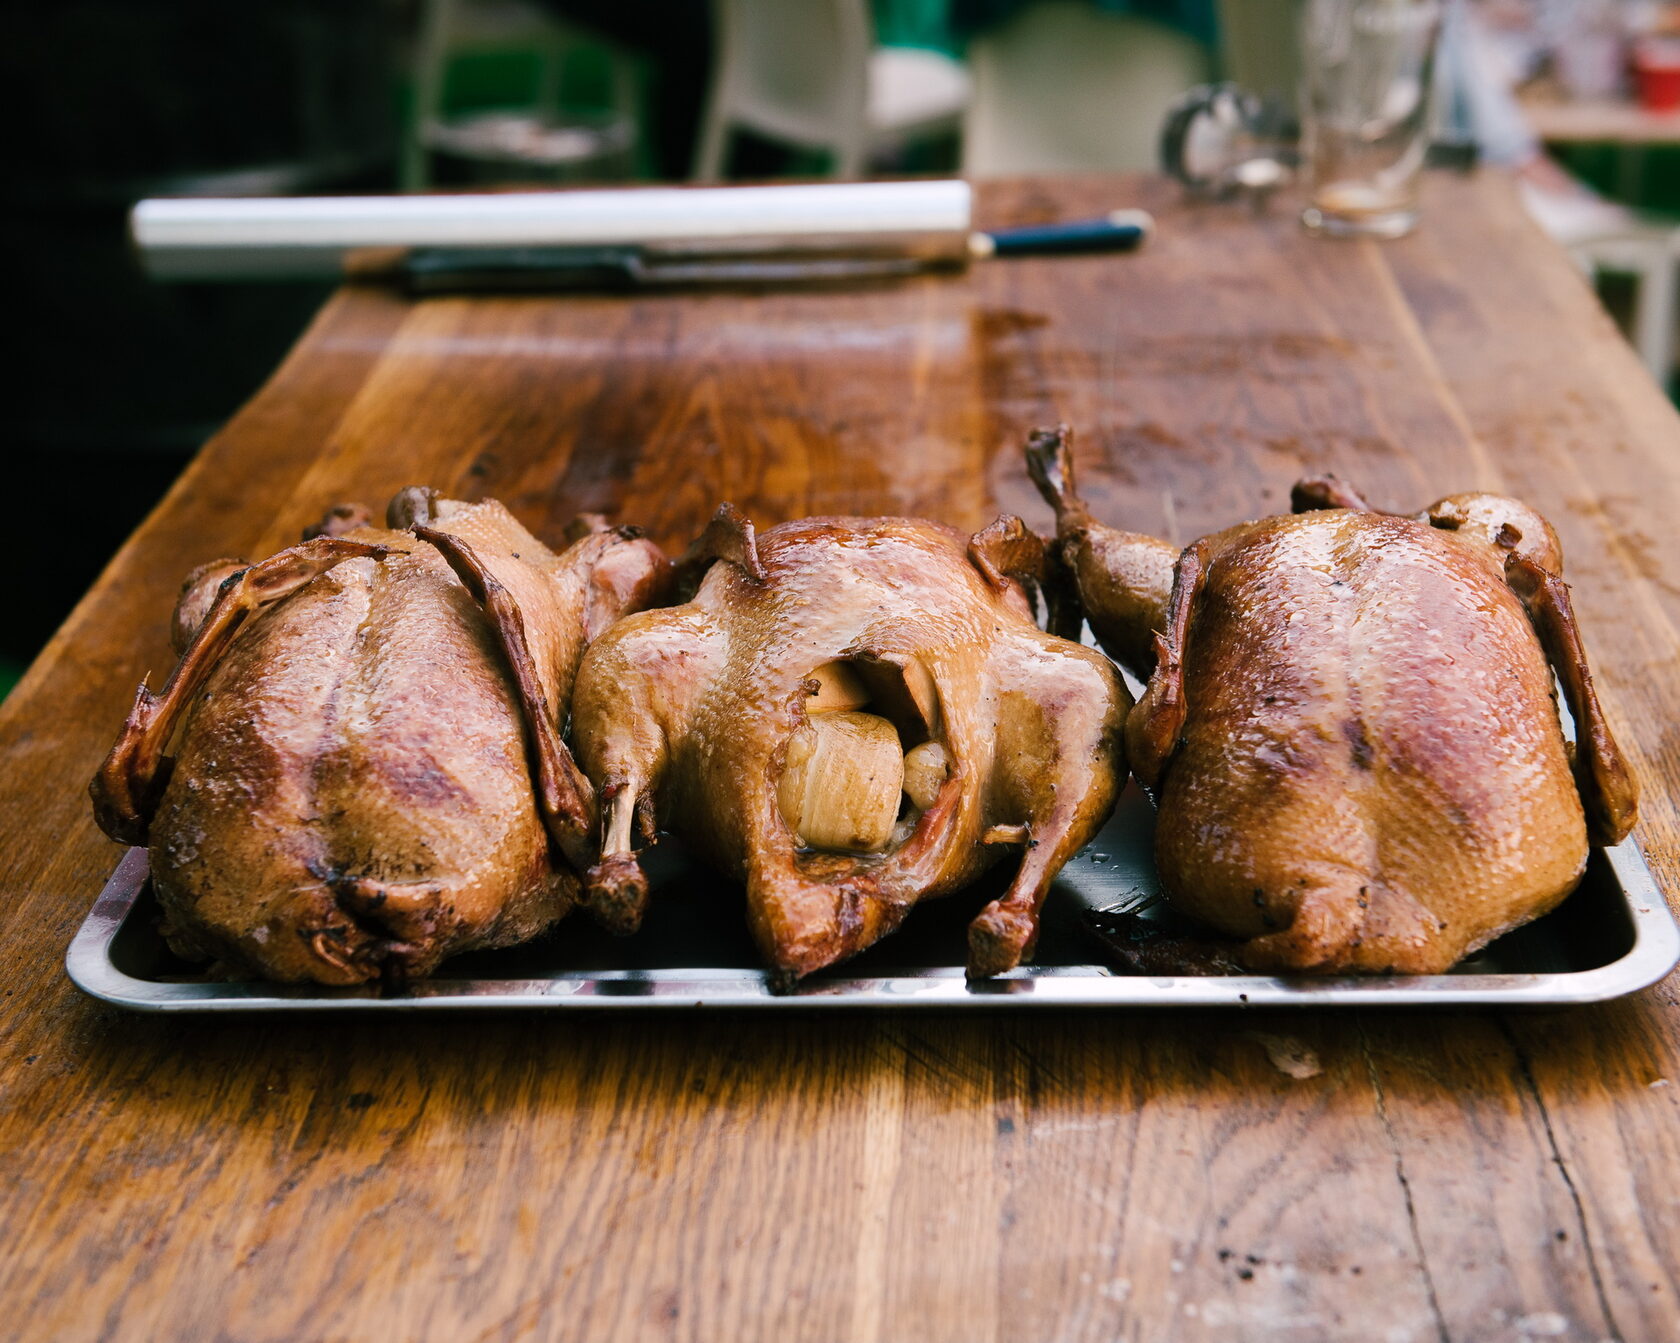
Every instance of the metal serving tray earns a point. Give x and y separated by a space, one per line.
1614 935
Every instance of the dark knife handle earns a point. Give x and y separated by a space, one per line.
1118 232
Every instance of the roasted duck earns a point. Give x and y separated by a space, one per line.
1350 726
852 714
369 775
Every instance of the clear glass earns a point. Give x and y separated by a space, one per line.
1367 68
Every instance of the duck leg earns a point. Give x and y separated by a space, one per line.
1124 579
565 799
1004 933
631 699
1050 464
128 785
1057 765
1609 792
1153 728
616 887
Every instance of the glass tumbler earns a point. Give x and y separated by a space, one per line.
1367 67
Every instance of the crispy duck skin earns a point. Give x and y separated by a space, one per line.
368 774
684 717
1123 579
1350 728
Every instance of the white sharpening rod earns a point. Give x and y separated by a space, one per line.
297 237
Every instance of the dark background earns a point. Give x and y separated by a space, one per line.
116 381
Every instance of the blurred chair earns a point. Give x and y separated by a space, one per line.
1063 86
807 73
1651 256
1606 237
535 137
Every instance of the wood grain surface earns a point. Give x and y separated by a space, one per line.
1613 121
1083 1176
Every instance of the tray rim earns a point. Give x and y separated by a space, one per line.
1654 953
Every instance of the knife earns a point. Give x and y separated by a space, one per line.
618 268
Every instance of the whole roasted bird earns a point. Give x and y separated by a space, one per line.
1350 725
369 775
852 714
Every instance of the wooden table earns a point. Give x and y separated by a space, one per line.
1614 121
1350 1175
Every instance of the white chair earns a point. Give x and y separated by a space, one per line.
1604 236
1064 87
808 73
531 140
1652 257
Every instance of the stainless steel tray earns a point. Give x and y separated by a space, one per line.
1614 935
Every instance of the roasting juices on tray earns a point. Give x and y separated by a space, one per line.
391 745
